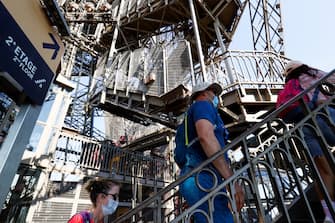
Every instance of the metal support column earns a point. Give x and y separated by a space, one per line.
53 123
266 25
223 48
197 37
116 31
13 147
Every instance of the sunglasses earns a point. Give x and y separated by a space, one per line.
115 196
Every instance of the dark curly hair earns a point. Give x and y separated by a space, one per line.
98 186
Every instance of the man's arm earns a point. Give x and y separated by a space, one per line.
211 145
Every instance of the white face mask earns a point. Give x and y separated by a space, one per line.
110 208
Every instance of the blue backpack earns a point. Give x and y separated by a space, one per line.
182 143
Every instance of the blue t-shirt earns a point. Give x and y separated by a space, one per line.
203 110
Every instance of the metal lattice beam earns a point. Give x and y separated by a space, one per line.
266 24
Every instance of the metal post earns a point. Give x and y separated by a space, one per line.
191 63
266 25
223 48
116 31
13 147
165 71
198 41
134 190
76 198
267 34
58 111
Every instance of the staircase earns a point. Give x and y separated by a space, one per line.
272 163
77 158
84 156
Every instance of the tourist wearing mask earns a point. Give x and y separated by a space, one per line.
204 123
104 195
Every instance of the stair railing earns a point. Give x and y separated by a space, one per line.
78 153
274 178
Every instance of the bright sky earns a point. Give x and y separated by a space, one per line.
309 32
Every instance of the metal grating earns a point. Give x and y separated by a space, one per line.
178 64
54 212
154 76
137 69
121 74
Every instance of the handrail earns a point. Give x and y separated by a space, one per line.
82 153
242 62
284 165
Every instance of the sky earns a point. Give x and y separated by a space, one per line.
309 32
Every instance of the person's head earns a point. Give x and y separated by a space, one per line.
291 67
294 68
206 91
104 194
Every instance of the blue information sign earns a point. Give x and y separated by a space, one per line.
21 60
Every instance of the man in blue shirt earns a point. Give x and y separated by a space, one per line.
204 122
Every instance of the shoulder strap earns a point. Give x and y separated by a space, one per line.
315 96
185 127
189 144
86 216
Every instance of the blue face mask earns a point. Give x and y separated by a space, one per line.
215 101
110 208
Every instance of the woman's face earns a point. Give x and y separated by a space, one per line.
112 193
107 201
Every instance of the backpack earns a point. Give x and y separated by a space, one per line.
182 143
86 216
